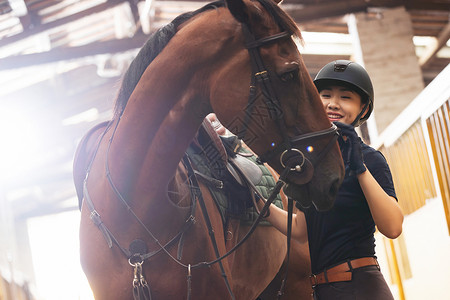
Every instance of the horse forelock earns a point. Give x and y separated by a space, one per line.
152 47
283 20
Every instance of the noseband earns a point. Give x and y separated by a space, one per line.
290 157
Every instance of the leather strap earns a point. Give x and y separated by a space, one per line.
263 41
342 272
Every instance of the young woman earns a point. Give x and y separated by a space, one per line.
341 240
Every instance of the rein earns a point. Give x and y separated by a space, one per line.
95 216
136 258
137 253
291 159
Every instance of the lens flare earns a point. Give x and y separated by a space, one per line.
310 149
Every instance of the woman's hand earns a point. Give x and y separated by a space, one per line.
355 152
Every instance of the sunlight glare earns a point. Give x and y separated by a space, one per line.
20 141
55 251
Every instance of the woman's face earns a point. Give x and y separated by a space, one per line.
341 104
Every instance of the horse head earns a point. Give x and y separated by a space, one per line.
265 95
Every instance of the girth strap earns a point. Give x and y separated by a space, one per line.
199 196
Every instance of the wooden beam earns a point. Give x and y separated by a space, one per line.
135 11
63 21
303 12
431 50
62 54
428 5
327 9
116 46
5 7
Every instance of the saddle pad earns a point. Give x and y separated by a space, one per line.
222 196
264 186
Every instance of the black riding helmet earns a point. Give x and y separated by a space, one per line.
353 75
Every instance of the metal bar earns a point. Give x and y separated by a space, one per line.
62 54
397 277
63 21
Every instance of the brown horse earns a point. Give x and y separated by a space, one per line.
239 60
298 286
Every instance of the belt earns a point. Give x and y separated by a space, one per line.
342 272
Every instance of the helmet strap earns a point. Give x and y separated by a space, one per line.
360 115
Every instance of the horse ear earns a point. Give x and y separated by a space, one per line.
238 9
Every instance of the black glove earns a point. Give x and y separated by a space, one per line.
354 152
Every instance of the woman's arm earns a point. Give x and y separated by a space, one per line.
385 210
278 218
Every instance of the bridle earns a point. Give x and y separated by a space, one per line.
291 158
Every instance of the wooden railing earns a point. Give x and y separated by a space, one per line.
411 169
12 291
438 125
417 147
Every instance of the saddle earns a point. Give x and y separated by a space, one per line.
84 155
232 174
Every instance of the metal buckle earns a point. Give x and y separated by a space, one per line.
313 280
191 219
94 214
219 184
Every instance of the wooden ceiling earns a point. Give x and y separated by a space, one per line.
75 29
61 59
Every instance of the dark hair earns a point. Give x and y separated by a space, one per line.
330 82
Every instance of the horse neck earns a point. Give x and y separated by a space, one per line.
148 146
162 116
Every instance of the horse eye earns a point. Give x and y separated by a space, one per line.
287 76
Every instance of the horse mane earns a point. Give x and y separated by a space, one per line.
152 47
159 39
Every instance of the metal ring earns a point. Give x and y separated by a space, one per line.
295 168
229 236
137 263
